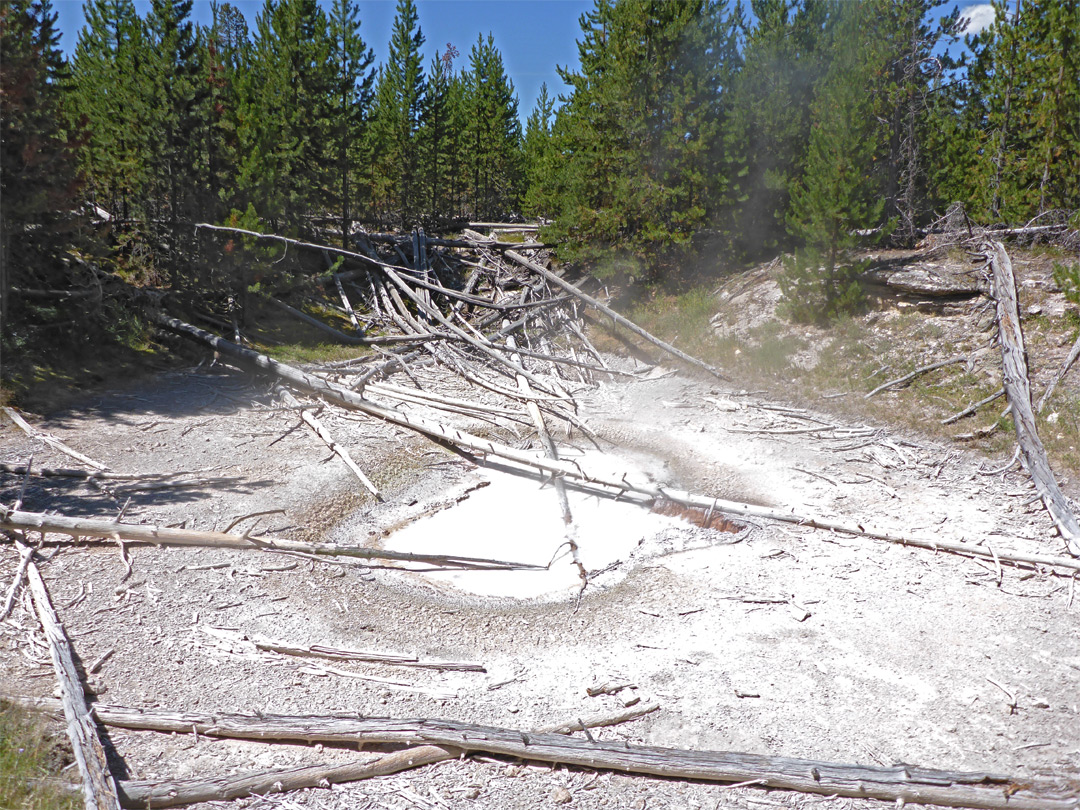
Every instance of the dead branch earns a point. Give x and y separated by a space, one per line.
1018 390
190 791
99 789
345 302
328 440
52 441
165 536
25 554
972 408
615 316
921 370
391 659
899 783
1073 354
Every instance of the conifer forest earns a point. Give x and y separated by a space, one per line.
693 133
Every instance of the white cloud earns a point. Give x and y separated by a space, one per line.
979 17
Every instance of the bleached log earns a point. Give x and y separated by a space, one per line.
973 407
165 536
506 226
605 482
615 316
1018 391
99 789
898 783
52 441
346 303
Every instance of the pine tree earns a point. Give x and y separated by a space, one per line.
637 136
837 193
1020 113
766 135
1054 111
440 140
172 95
351 85
285 122
906 62
37 160
493 136
226 57
107 102
399 95
539 156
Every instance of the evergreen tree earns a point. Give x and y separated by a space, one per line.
440 140
224 54
538 155
352 81
172 94
285 122
1052 105
37 161
637 136
399 95
493 137
836 194
767 133
107 101
1020 113
906 62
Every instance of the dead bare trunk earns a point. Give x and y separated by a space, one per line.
1018 391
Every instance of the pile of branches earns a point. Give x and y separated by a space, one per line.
489 311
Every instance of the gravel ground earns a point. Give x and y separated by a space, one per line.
774 640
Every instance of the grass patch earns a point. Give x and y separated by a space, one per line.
29 758
682 320
299 353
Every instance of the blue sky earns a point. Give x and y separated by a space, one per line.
533 35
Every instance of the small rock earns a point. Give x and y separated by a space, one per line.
472 793
1034 309
561 795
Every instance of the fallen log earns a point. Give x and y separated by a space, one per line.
165 536
898 783
390 659
604 482
99 789
552 452
973 407
615 316
157 793
1018 391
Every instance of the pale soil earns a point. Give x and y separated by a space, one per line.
853 650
